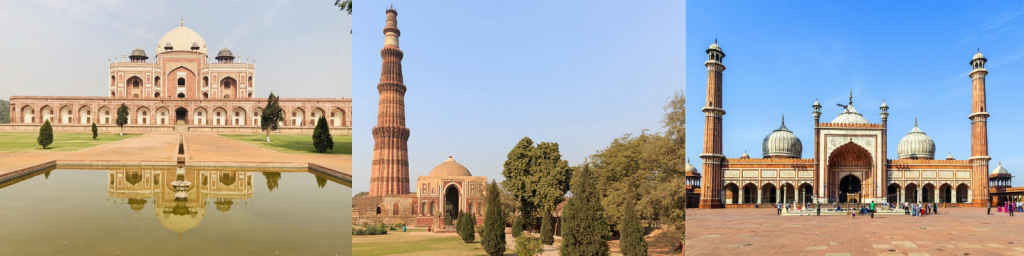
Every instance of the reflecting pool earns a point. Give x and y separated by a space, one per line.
174 211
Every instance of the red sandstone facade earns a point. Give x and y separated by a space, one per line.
180 87
849 163
390 170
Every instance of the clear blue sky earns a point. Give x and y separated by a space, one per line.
780 56
481 75
60 47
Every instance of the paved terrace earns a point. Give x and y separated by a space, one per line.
955 231
162 146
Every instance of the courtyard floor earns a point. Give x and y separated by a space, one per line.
955 231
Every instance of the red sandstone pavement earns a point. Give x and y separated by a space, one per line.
955 231
162 147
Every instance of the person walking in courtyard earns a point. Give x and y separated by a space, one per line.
988 206
779 208
935 208
872 209
1009 208
819 209
906 211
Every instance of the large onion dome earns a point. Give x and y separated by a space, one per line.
850 116
916 145
450 168
1000 170
782 143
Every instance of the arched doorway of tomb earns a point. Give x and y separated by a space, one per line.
161 116
135 86
238 116
961 193
749 194
47 113
220 116
228 87
394 210
731 193
28 114
337 117
256 114
66 116
451 204
928 193
133 177
806 193
297 116
850 189
892 193
945 193
142 116
200 116
85 115
105 116
769 193
433 208
315 118
849 159
181 116
910 193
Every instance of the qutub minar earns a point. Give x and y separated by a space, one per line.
440 196
849 164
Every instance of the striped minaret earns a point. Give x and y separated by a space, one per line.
979 132
390 171
710 194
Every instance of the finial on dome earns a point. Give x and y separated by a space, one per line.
851 96
783 119
915 121
716 38
182 20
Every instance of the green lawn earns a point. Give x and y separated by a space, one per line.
62 141
294 144
416 243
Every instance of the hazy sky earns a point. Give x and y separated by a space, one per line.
780 56
61 48
481 75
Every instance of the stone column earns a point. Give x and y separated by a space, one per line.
899 197
919 195
759 196
742 201
778 195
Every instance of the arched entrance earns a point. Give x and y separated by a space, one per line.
945 193
849 189
181 116
749 193
928 193
451 204
731 193
892 193
806 193
788 193
961 193
769 193
910 193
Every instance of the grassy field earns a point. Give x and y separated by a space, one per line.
26 141
416 243
294 144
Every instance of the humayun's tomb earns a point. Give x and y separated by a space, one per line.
447 190
849 163
179 90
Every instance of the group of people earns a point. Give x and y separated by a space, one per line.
918 209
1011 207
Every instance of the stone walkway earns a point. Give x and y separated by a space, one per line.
956 231
161 147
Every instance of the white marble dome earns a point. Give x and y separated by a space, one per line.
782 143
916 145
689 167
181 38
1000 170
850 116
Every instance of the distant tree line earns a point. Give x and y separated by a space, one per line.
5 112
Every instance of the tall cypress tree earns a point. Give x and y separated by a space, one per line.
584 230
45 135
547 232
493 238
271 115
517 227
94 130
122 117
322 139
466 227
631 240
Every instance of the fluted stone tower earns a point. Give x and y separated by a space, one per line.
710 196
390 171
979 132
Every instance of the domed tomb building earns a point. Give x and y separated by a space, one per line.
448 189
848 161
180 85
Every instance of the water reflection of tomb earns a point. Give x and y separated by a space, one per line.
137 187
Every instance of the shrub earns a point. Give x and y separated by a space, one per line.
370 231
399 226
547 231
493 239
94 130
528 245
517 227
631 240
45 135
466 228
584 230
322 139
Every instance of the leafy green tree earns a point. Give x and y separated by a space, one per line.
271 115
674 192
517 227
345 5
322 139
584 230
537 177
466 227
94 131
45 135
122 117
5 112
547 231
528 245
631 238
493 238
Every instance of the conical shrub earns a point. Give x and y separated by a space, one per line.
584 229
322 139
45 135
547 230
517 226
466 227
493 238
631 240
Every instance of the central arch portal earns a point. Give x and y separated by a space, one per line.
180 116
451 204
849 189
